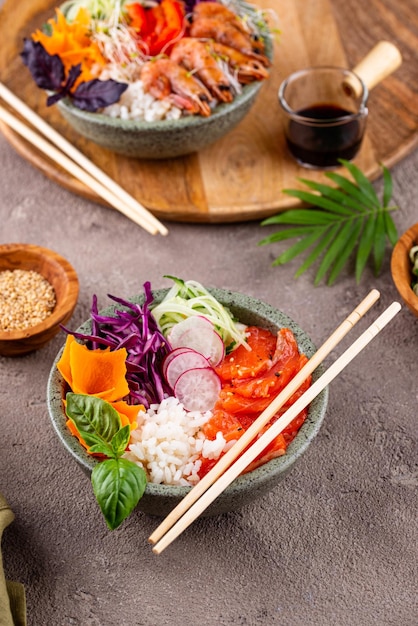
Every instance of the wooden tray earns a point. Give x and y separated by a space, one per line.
241 177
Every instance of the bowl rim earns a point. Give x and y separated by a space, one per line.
279 465
401 267
62 308
159 126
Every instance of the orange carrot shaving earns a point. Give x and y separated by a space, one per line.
128 413
73 44
98 373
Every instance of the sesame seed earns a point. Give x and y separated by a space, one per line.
26 299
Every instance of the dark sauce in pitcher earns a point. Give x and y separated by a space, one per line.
321 145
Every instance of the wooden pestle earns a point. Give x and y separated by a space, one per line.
379 63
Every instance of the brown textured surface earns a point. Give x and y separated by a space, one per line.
242 176
334 545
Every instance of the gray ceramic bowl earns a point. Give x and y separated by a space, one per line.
167 138
161 499
163 139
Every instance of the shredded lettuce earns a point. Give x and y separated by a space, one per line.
187 298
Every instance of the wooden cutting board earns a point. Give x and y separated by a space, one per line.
241 177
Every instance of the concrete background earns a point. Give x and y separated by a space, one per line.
335 544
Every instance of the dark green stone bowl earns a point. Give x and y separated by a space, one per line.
161 499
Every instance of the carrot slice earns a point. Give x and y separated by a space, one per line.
63 364
98 373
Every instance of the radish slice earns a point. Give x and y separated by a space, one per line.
195 322
198 389
206 341
183 361
170 356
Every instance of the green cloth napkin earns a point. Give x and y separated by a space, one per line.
12 595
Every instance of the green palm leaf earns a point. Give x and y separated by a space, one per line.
345 254
316 252
344 220
345 202
365 246
379 243
387 186
335 250
297 248
289 233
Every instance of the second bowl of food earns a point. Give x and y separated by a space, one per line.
155 81
404 268
187 370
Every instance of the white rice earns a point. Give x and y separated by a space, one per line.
168 443
135 104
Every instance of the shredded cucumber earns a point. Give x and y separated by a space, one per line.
98 9
187 298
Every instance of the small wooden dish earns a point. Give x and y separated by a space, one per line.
63 278
401 268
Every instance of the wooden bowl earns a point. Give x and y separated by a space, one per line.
401 268
63 278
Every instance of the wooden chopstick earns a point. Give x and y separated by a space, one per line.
124 198
225 461
260 444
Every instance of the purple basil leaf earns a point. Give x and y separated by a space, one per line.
96 94
65 90
47 69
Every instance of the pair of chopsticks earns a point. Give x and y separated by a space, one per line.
75 162
218 479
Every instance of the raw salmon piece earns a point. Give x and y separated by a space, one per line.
243 363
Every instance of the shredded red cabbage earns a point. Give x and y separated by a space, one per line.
135 329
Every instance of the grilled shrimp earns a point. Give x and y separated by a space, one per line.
221 12
163 78
215 21
227 34
248 69
196 56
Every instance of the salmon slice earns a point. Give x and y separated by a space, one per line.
243 363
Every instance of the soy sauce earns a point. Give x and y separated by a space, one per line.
322 145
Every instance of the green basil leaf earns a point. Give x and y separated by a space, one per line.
120 440
93 415
118 485
96 444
